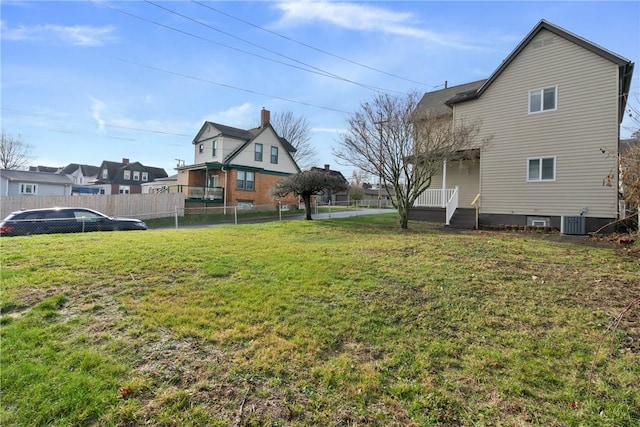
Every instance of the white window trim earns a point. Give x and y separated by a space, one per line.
541 91
145 176
34 188
540 173
136 175
127 175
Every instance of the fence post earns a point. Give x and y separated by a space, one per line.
235 213
176 215
280 210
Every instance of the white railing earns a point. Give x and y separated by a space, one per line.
434 198
452 205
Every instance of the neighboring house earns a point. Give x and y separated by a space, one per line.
552 108
48 169
161 185
27 183
125 177
81 176
332 197
236 167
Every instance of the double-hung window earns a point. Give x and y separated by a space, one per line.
127 175
274 155
136 175
145 176
215 148
28 188
246 180
543 99
541 169
257 156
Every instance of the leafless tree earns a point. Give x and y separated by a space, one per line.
387 139
15 153
297 131
630 172
306 184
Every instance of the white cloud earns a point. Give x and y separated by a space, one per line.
76 35
97 107
241 116
363 17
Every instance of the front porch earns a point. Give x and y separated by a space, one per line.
195 192
442 206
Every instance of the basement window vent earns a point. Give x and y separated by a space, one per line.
538 222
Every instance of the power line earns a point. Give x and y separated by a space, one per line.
313 69
152 67
308 45
319 70
24 113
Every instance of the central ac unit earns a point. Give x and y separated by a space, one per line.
573 225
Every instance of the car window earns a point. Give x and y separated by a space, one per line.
31 215
57 215
86 216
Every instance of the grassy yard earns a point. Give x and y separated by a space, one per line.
328 323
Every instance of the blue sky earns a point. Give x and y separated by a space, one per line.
87 81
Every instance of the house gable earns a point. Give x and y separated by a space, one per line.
534 40
245 154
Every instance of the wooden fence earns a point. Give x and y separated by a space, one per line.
142 206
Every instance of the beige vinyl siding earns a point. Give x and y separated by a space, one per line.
466 175
267 139
585 121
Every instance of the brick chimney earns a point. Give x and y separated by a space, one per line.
265 117
326 167
125 160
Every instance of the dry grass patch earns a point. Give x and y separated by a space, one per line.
338 322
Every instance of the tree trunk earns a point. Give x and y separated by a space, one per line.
403 210
307 206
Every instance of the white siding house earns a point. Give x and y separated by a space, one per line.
553 110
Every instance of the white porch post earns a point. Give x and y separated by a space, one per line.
444 184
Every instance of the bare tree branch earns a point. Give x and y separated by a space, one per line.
14 152
297 131
385 138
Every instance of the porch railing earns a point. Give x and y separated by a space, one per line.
452 205
197 192
434 198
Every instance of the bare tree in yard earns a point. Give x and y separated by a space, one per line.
14 152
306 184
387 139
297 131
630 173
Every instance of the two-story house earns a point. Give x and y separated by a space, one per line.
553 109
125 177
81 176
236 167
